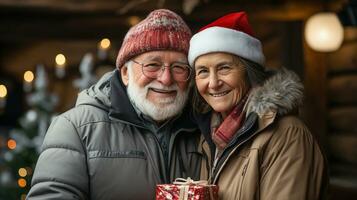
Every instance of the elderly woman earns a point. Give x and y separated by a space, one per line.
259 149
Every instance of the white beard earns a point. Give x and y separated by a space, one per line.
164 108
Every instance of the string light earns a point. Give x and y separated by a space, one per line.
29 76
22 182
22 172
324 32
103 48
133 20
60 59
104 43
60 65
11 144
3 91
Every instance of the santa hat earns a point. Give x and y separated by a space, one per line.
231 34
161 30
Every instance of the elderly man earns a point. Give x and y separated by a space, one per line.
130 131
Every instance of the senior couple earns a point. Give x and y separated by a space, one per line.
178 106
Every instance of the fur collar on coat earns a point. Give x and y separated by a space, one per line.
282 92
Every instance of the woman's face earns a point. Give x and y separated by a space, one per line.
221 80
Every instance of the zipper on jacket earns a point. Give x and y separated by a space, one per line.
233 150
217 158
243 130
162 159
172 142
225 161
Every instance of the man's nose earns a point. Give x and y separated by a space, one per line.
165 77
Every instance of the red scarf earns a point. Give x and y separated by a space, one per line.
222 135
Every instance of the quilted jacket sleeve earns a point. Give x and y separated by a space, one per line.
61 170
293 167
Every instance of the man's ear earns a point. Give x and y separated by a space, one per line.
124 75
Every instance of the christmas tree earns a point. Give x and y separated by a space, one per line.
23 144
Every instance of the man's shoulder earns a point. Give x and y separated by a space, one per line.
84 114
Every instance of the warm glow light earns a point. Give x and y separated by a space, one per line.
3 91
23 196
11 144
29 76
324 32
133 20
21 182
105 43
22 172
60 59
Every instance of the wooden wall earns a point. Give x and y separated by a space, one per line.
341 89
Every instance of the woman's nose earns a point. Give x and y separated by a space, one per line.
214 81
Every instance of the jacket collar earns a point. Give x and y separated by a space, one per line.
280 94
121 107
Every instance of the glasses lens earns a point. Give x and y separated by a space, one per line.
152 69
180 72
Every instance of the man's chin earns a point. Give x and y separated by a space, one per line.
163 102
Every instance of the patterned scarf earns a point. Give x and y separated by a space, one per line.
222 135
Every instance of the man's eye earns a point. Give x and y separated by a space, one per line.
152 66
179 68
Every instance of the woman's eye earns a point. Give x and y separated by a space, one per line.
224 68
202 71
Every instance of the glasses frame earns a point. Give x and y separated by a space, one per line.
162 69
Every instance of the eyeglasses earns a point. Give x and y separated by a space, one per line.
180 72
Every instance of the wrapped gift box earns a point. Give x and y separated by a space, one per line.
187 189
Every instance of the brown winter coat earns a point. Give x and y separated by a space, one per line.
273 156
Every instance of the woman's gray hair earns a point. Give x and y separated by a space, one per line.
256 76
256 73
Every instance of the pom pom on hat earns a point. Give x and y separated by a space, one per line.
231 34
162 29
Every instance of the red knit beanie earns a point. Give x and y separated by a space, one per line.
161 30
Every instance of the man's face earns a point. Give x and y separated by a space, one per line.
161 97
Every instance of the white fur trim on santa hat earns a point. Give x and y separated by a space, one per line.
219 39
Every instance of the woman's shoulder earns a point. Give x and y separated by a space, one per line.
291 130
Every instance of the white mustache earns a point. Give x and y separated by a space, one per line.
159 86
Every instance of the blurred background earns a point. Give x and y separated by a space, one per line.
52 49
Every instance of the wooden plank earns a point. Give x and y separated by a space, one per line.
343 89
83 27
343 147
343 180
284 11
314 110
343 119
70 5
344 59
86 19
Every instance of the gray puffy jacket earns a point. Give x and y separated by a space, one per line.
101 149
